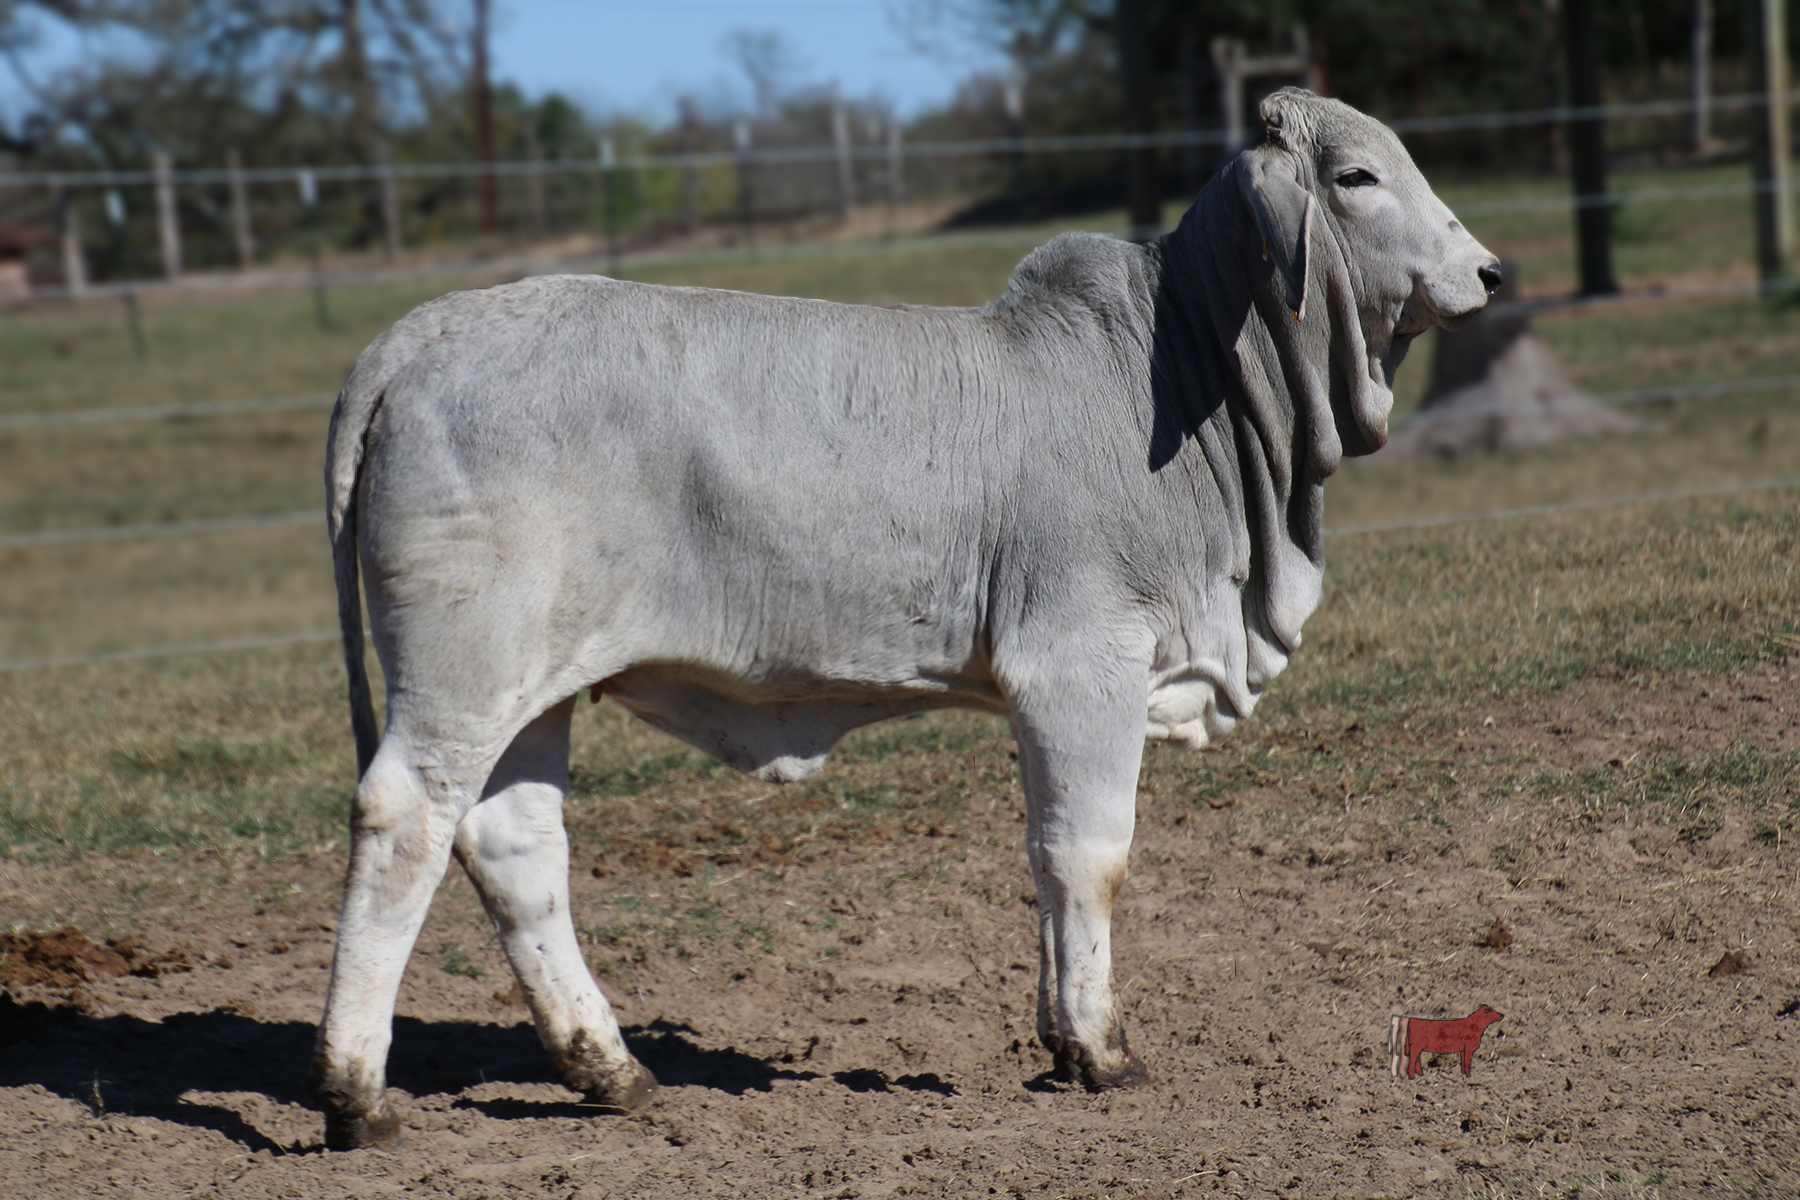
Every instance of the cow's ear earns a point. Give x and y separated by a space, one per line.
1283 210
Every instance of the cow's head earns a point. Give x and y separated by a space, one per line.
1341 207
1487 1016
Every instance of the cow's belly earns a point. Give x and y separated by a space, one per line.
774 735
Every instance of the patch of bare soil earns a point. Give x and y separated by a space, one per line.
860 1025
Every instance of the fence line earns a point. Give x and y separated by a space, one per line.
109 656
1567 506
131 533
822 154
321 400
166 412
1696 391
528 265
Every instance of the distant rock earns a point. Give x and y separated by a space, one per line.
1496 385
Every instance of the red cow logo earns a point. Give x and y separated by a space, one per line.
1409 1037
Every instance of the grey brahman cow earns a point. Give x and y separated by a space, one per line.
1092 506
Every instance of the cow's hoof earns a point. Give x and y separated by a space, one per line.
1117 1067
625 1086
1130 1073
378 1131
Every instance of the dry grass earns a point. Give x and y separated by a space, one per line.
249 752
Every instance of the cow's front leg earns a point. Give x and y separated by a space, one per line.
401 826
515 850
1079 765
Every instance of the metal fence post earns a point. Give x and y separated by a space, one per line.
168 225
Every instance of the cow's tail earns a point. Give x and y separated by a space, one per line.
350 421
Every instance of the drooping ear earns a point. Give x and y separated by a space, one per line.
1283 210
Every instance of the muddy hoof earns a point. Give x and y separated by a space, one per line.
626 1087
380 1131
1127 1070
1130 1073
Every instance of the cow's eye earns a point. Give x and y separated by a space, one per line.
1357 177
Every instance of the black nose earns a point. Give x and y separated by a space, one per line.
1490 277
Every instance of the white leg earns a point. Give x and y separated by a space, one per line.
1048 1037
514 848
401 826
1079 758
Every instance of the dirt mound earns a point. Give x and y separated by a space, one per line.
1524 401
1496 385
68 958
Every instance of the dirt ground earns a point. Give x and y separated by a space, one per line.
884 1045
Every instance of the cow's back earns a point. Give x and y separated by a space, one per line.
787 491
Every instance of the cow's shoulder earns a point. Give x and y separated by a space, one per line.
1088 284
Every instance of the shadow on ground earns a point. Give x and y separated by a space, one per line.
124 1064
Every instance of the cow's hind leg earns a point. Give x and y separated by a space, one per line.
402 821
515 850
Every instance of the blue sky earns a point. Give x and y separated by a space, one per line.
638 56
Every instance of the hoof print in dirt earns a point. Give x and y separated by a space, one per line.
1732 962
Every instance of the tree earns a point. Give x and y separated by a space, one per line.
283 79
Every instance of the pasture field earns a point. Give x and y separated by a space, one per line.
1583 725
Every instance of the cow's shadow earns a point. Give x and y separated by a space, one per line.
124 1064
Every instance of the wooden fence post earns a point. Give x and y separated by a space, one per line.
69 221
1700 76
740 141
534 181
240 208
840 144
690 183
609 205
168 224
896 164
390 201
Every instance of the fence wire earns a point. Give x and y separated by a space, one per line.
1377 527
862 152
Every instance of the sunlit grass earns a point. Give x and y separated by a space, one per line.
252 749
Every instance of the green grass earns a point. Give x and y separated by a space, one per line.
1652 239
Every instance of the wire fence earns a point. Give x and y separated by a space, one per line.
154 226
238 645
